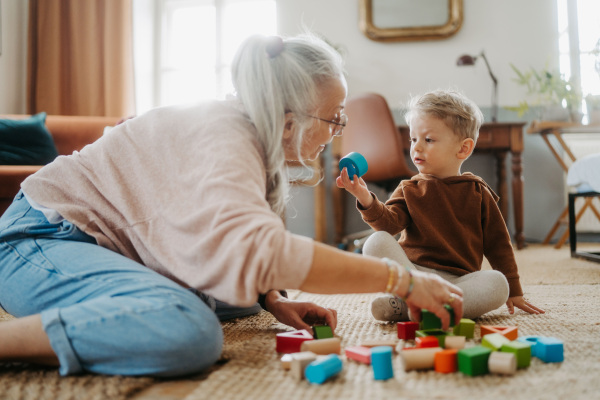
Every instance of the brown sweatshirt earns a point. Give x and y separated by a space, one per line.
448 224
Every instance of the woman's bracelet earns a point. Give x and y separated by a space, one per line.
394 278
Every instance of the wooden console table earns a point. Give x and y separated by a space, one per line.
500 138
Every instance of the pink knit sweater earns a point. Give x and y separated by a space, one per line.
182 191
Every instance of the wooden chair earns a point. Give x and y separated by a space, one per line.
372 132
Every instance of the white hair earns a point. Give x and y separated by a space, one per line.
273 76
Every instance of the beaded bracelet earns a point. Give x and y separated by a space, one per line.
393 266
393 270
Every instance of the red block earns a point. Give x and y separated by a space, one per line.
359 353
427 341
446 361
406 330
290 342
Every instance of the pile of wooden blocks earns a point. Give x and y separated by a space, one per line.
316 356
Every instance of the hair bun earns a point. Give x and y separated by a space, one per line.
274 46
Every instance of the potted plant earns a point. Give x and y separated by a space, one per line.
556 97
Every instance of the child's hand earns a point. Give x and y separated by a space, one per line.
357 187
520 302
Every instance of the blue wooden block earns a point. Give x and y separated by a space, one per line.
321 370
381 360
549 349
532 341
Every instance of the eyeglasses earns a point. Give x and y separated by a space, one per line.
336 127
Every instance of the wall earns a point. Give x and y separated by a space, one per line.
13 76
523 33
514 31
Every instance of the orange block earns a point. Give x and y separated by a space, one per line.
427 341
446 361
509 332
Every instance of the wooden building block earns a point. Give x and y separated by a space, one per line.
406 330
431 321
550 349
323 346
466 328
521 350
446 361
359 353
381 361
322 332
509 332
422 358
299 363
532 341
323 369
502 363
438 333
473 361
427 341
290 342
286 361
494 341
455 342
377 342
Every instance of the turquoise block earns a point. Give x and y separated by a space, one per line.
549 350
320 370
381 361
355 163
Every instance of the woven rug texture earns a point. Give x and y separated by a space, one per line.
568 289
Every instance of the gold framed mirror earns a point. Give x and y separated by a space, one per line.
410 20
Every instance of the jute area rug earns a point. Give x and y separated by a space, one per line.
568 289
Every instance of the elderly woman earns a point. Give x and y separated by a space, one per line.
122 258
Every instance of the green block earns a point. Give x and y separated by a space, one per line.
438 333
430 321
473 361
494 341
522 352
466 328
322 332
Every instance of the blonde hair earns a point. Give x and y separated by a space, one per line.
273 76
457 111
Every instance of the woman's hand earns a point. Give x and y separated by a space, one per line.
357 188
431 292
520 302
299 314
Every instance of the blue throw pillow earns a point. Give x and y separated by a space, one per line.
26 141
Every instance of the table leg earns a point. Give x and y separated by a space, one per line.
517 189
502 186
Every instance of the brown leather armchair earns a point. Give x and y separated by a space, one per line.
70 133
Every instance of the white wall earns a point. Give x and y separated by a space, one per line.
521 32
13 74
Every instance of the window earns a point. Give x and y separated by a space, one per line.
578 43
193 44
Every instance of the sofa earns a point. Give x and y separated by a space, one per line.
69 133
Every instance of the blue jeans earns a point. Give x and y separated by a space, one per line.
104 313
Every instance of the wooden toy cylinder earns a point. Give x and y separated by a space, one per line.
355 163
455 342
323 346
502 363
300 361
320 370
419 358
381 360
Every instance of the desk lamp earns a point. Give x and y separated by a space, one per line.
470 60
